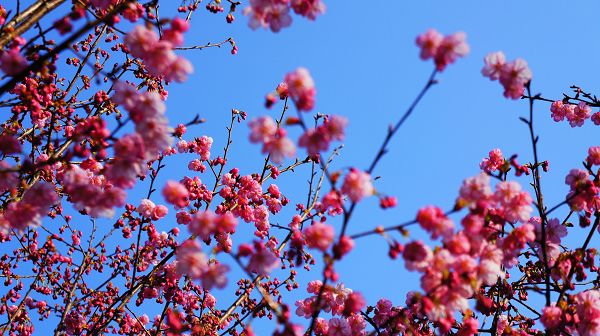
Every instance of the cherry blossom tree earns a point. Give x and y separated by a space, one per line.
85 135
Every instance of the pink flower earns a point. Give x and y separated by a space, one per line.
388 202
489 271
551 317
516 204
494 62
214 276
450 49
226 223
129 161
339 327
278 17
190 260
596 118
444 49
584 192
588 312
279 147
267 13
203 147
315 140
554 230
263 261
308 8
319 235
90 192
12 62
434 221
494 162
417 256
469 327
29 211
140 40
301 89
594 155
558 110
357 185
579 114
175 193
429 42
475 189
8 179
262 129
146 208
514 242
203 225
336 125
158 55
514 76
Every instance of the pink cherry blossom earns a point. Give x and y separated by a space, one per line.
494 62
588 312
516 204
450 49
319 235
263 261
494 162
175 193
12 62
594 155
301 89
357 185
551 317
262 129
191 261
434 221
429 43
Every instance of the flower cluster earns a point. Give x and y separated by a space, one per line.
357 185
444 50
339 301
29 211
157 54
273 138
472 256
317 140
12 62
191 261
576 115
512 75
583 195
275 14
494 162
146 110
299 86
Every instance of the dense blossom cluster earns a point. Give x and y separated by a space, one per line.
275 14
575 114
74 141
512 75
444 50
157 54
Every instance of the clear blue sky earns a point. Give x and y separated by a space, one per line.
366 67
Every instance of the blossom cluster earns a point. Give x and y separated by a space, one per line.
576 115
275 14
157 54
513 76
273 138
444 50
63 139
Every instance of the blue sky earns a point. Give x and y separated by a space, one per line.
365 64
